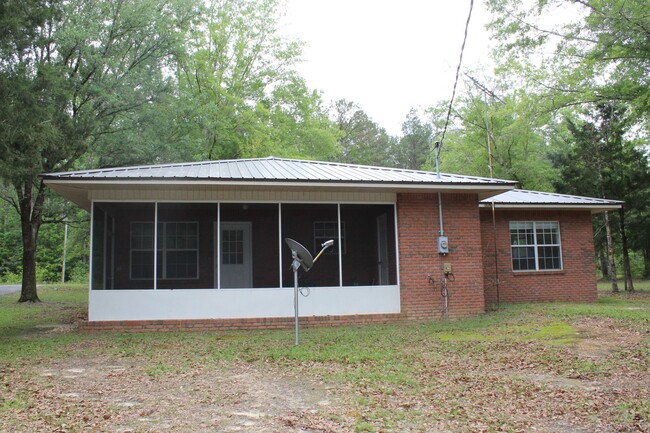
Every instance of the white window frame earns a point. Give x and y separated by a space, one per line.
339 233
163 249
536 245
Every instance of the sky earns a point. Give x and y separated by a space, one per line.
387 56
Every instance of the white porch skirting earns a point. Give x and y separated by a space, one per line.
187 304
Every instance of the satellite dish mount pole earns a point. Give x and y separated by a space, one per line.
295 265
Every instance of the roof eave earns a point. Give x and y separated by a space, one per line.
77 190
500 186
594 208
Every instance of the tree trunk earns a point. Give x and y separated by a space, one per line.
646 262
604 264
627 269
28 291
611 268
30 221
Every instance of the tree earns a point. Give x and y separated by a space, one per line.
498 127
362 141
239 91
599 51
415 146
70 73
598 160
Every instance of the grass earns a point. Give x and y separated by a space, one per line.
22 334
604 286
26 329
59 303
454 365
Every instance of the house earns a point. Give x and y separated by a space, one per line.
201 245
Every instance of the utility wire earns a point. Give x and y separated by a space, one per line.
460 61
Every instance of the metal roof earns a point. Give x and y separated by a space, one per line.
273 169
519 198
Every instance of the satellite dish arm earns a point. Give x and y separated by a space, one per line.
325 246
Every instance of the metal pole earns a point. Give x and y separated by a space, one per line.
65 244
295 303
295 265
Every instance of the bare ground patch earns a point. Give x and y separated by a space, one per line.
104 394
602 337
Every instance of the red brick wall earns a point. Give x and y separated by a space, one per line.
418 226
576 282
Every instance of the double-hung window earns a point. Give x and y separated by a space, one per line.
535 245
178 250
326 230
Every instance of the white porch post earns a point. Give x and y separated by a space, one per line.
90 256
280 241
218 246
338 218
155 246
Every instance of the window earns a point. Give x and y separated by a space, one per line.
326 230
178 250
535 245
232 250
141 250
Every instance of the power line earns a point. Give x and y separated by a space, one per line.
460 61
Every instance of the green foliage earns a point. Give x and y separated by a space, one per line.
50 253
362 141
239 94
72 72
415 146
10 240
572 53
595 157
508 127
89 84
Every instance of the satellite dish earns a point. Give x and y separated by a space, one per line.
307 261
301 257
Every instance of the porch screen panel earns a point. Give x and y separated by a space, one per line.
122 256
370 257
310 225
249 245
186 239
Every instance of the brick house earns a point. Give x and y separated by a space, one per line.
201 245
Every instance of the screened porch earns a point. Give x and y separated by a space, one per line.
204 260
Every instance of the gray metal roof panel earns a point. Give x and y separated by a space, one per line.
273 169
519 197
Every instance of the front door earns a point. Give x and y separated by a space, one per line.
235 255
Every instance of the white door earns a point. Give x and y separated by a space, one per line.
382 249
235 255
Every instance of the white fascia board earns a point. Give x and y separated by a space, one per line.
279 184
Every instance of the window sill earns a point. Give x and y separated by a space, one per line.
537 273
